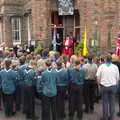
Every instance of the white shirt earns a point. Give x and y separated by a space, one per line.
66 44
108 75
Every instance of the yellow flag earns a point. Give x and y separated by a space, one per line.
85 51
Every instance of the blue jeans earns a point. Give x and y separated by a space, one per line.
108 102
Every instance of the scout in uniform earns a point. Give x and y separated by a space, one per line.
19 91
29 77
49 92
76 77
62 84
8 83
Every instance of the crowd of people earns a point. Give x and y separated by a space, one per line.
56 79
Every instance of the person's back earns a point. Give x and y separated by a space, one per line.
21 73
61 77
90 70
76 78
20 83
108 76
49 83
29 76
8 79
49 92
30 79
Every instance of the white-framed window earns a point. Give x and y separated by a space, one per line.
16 30
29 30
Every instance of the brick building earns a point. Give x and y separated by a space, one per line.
26 21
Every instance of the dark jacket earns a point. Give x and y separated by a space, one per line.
118 64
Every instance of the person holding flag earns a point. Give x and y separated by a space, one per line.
54 39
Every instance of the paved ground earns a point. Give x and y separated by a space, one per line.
95 116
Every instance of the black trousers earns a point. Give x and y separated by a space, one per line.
76 101
48 108
60 102
0 99
29 101
19 97
8 102
89 90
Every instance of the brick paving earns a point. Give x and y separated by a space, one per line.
95 116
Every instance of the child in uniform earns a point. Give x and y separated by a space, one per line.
76 77
19 91
8 82
49 93
62 84
29 77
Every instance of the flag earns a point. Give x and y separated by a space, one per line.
85 51
54 39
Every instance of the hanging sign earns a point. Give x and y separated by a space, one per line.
65 7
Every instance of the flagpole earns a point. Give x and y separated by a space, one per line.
85 51
54 39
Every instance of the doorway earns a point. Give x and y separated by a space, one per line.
66 25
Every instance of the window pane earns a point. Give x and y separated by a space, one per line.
16 29
15 36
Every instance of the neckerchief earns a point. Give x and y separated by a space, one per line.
108 64
90 63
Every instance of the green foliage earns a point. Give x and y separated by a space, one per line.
79 47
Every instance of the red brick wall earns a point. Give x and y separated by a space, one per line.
41 15
106 12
